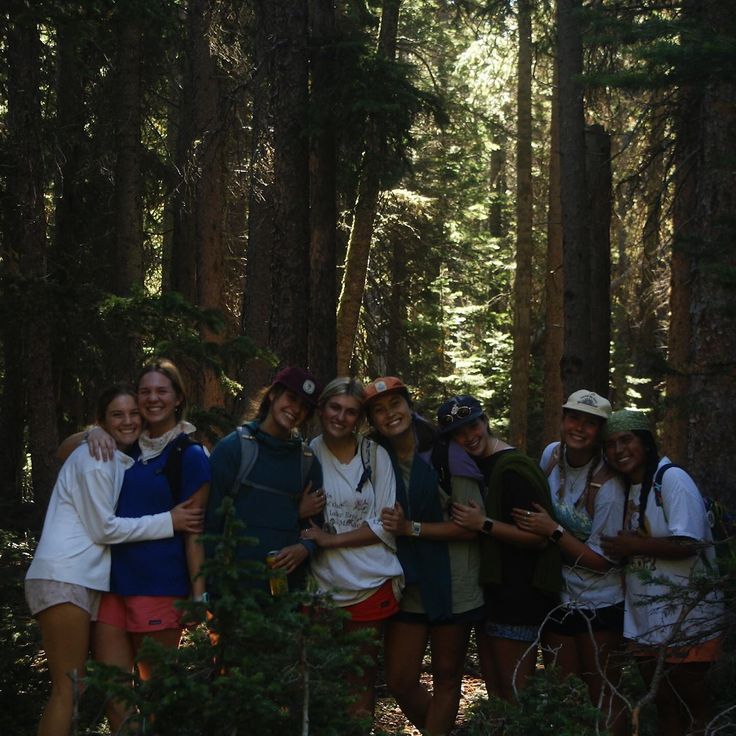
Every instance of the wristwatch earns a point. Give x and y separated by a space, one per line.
487 525
416 528
556 534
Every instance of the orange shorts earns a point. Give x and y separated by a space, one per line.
377 607
140 613
707 651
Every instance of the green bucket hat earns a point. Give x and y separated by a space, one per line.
626 420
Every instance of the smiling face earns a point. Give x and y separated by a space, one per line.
391 415
340 416
158 402
123 420
626 454
474 438
286 412
580 430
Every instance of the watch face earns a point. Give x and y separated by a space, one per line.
487 526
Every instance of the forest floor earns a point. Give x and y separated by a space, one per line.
390 719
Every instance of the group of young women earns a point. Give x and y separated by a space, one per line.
420 533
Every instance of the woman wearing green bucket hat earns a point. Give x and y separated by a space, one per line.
673 617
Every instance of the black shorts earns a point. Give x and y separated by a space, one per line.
572 621
466 617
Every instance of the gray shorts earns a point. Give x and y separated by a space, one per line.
42 594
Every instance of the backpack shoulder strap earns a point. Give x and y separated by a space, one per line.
248 457
553 460
172 468
657 482
440 459
367 458
306 462
601 476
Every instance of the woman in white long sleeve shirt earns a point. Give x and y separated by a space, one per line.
72 561
356 563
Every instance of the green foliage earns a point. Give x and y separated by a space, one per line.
22 678
547 706
271 664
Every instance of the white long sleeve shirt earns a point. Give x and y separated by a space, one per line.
80 522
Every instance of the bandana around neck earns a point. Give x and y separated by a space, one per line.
152 447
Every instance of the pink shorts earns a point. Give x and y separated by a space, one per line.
140 613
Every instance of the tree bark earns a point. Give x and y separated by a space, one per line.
554 283
598 178
128 205
291 183
712 395
128 215
524 217
323 196
257 314
28 184
208 203
576 371
356 259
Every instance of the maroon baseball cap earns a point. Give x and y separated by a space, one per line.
301 382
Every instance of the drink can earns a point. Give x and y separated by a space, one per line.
277 582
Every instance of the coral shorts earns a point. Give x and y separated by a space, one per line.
140 613
707 651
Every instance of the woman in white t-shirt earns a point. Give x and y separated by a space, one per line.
584 631
667 544
356 563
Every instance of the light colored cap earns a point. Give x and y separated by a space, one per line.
589 402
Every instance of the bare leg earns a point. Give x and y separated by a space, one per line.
65 635
601 672
169 638
404 651
507 663
682 697
449 645
114 646
363 685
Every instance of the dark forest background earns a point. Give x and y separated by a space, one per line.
516 199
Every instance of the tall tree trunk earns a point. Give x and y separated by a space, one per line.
128 215
524 217
554 315
573 192
712 399
208 204
27 174
291 183
598 178
356 259
323 196
68 257
257 316
687 177
128 203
